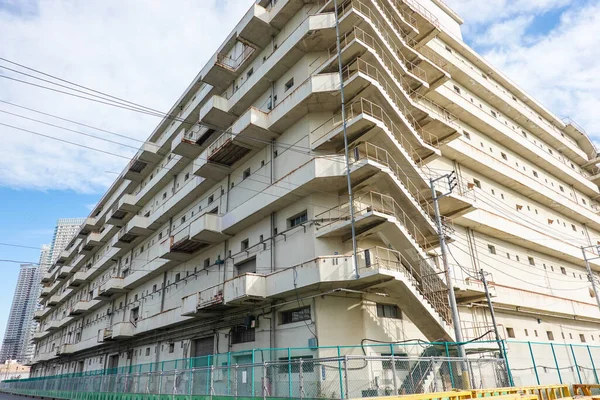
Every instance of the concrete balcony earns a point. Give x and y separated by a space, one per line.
83 306
250 133
63 257
314 34
39 335
104 335
78 279
64 349
254 32
64 272
47 277
126 206
247 289
192 141
206 302
142 162
109 288
53 325
89 226
38 315
202 232
215 112
53 300
122 330
136 228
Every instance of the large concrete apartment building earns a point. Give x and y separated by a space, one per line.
230 229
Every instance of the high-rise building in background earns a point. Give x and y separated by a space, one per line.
45 258
232 229
17 338
65 230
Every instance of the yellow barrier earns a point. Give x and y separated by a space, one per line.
454 395
584 389
550 392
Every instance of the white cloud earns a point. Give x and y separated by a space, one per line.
476 12
144 51
561 69
505 33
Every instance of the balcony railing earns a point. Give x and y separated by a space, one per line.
368 151
375 202
233 64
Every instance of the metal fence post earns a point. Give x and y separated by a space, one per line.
556 363
346 377
394 375
593 364
253 367
576 365
212 380
264 384
301 380
289 358
340 373
174 384
235 381
449 365
537 376
209 372
228 373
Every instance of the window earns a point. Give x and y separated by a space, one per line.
295 315
535 174
456 89
550 335
477 183
147 351
171 347
510 332
207 263
243 335
492 249
562 189
211 198
526 332
134 314
297 219
582 337
177 277
249 73
186 176
494 113
563 270
183 219
153 288
508 255
245 244
289 84
467 135
504 156
388 311
531 260
573 227
246 174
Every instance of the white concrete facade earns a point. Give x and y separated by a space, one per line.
230 229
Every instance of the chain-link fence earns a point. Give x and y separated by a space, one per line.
335 378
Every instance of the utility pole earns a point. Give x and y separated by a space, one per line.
452 182
344 125
589 269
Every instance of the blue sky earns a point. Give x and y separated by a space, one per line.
535 42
